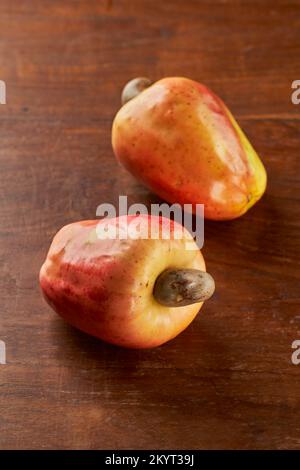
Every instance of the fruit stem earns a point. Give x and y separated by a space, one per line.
179 287
134 88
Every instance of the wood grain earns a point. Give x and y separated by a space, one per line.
227 381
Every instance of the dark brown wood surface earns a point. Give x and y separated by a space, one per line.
228 380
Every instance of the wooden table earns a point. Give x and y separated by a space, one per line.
228 380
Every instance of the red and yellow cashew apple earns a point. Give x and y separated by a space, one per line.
135 292
182 142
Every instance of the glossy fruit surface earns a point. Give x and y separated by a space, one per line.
105 286
182 142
